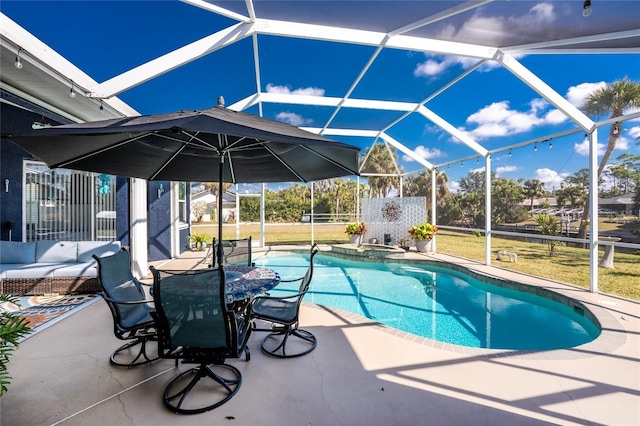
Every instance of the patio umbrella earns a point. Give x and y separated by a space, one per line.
210 145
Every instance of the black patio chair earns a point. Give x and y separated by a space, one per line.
282 313
195 326
210 255
130 308
237 252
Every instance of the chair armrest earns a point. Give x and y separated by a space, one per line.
125 302
292 280
293 296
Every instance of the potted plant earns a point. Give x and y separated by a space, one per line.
355 232
199 241
405 243
422 235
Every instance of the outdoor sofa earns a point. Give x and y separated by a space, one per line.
50 267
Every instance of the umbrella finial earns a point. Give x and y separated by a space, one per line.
220 102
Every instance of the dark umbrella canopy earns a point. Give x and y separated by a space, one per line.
212 145
189 146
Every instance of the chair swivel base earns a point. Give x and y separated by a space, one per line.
180 401
287 343
124 357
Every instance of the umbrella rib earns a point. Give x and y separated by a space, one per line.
283 163
94 153
231 171
202 141
249 146
166 163
328 159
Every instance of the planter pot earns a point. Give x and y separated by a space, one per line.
355 239
423 246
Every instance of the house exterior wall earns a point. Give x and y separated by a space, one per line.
15 120
12 120
159 220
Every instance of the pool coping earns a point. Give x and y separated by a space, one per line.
612 333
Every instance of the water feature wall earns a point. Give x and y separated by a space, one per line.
393 216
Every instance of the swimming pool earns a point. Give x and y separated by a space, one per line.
435 302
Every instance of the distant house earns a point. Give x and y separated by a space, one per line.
228 206
538 202
622 204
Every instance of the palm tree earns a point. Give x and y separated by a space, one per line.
420 186
381 160
612 99
534 188
300 191
324 187
341 187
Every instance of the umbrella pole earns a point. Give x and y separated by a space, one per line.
220 248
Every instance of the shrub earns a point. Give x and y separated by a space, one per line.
12 328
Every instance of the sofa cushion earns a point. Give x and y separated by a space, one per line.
100 248
87 269
17 252
31 270
56 251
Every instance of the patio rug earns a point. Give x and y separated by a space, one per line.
40 309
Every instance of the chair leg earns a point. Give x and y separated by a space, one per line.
275 343
178 401
121 357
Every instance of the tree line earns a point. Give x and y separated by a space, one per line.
336 199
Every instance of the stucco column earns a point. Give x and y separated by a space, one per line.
138 225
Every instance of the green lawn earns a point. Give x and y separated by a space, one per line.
570 265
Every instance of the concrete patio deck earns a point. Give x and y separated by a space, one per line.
361 373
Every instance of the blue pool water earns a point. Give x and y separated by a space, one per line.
436 303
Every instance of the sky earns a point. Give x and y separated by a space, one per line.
490 105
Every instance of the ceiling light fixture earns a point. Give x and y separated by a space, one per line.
616 130
586 8
550 145
18 62
101 107
72 93
535 147
509 153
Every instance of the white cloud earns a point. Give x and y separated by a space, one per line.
487 30
578 94
555 116
582 148
453 186
622 144
425 153
432 67
506 169
437 64
477 170
634 132
292 118
550 178
498 119
309 91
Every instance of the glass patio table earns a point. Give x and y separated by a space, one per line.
242 282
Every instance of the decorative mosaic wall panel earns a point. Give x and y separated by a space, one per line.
392 216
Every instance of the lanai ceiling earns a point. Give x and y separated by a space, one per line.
340 64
